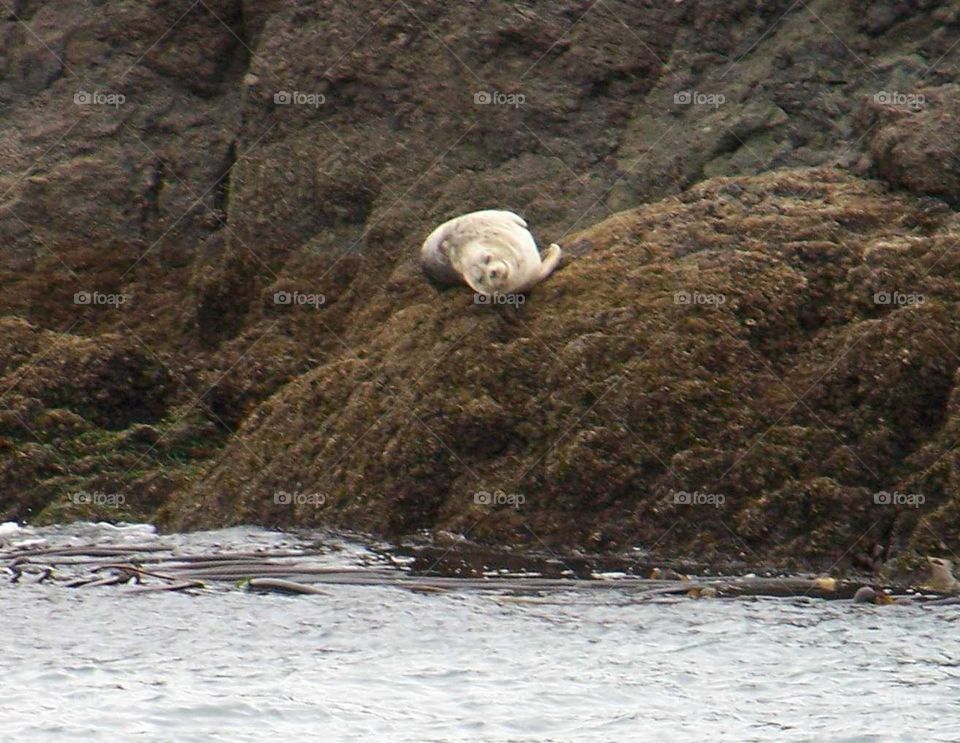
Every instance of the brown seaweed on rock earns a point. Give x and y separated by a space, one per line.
802 418
747 369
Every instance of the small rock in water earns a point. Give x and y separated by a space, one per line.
826 584
865 595
666 574
941 576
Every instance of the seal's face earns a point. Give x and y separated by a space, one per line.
490 276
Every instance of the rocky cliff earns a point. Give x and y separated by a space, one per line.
210 213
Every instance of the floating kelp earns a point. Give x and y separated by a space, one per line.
153 568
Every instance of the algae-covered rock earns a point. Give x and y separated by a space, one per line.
110 381
748 369
732 337
912 139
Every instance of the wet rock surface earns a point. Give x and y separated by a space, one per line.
209 216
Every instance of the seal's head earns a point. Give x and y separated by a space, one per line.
489 275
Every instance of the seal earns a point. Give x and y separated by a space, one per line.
491 251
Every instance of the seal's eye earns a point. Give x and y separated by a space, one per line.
494 273
487 258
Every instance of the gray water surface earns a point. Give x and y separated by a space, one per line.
376 663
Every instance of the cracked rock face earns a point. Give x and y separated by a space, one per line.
209 215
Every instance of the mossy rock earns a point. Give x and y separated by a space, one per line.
669 358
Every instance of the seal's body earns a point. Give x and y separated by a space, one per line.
491 251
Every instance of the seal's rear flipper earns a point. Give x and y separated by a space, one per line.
550 260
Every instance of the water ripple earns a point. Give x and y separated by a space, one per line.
377 663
